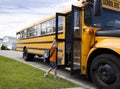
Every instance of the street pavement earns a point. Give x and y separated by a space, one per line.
63 73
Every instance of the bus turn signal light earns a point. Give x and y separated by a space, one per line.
91 31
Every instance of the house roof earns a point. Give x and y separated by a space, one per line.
10 37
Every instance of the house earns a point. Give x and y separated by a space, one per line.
9 42
0 42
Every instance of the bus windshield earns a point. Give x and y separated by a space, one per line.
108 19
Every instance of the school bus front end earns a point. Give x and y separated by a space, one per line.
101 45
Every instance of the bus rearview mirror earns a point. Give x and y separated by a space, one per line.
97 7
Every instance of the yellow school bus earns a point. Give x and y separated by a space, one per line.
88 35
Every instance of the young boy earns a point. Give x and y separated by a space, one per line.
53 54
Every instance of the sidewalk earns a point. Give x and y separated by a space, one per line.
61 72
75 88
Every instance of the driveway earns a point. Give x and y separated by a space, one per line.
16 55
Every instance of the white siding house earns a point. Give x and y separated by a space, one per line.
9 42
1 42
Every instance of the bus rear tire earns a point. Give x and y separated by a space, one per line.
27 56
105 71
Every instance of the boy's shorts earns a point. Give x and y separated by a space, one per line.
53 65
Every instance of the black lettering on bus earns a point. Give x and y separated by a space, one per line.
104 2
108 2
116 5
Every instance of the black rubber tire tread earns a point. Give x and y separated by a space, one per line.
27 56
114 61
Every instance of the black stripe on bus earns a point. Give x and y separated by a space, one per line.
41 49
19 47
32 37
35 42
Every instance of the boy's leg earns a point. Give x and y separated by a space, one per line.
50 69
55 76
46 74
55 71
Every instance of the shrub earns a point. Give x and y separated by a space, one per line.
4 48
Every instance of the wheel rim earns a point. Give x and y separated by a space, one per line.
106 74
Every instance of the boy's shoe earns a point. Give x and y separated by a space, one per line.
56 77
45 75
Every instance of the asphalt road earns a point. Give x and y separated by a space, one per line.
80 80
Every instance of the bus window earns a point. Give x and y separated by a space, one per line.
54 24
49 26
60 25
34 31
18 35
24 34
27 33
43 31
77 18
38 29
108 19
31 32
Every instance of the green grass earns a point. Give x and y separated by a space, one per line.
17 75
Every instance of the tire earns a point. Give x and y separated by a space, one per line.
105 71
27 56
25 53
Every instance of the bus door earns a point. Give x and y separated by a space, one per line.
75 40
60 37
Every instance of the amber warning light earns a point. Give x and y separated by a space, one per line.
91 31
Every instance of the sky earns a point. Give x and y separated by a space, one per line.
17 14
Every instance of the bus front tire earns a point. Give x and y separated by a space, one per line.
105 71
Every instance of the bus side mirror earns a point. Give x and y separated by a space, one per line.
97 7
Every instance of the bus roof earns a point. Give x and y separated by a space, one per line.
66 10
109 4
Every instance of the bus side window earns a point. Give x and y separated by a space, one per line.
34 31
18 35
54 24
49 26
30 32
43 30
27 33
24 34
76 20
38 29
60 23
77 23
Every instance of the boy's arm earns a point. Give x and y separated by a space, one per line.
52 50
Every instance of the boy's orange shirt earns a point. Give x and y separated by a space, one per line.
53 54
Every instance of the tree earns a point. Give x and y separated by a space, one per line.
4 48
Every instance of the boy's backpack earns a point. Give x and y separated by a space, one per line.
47 54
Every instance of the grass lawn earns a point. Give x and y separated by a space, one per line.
17 75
